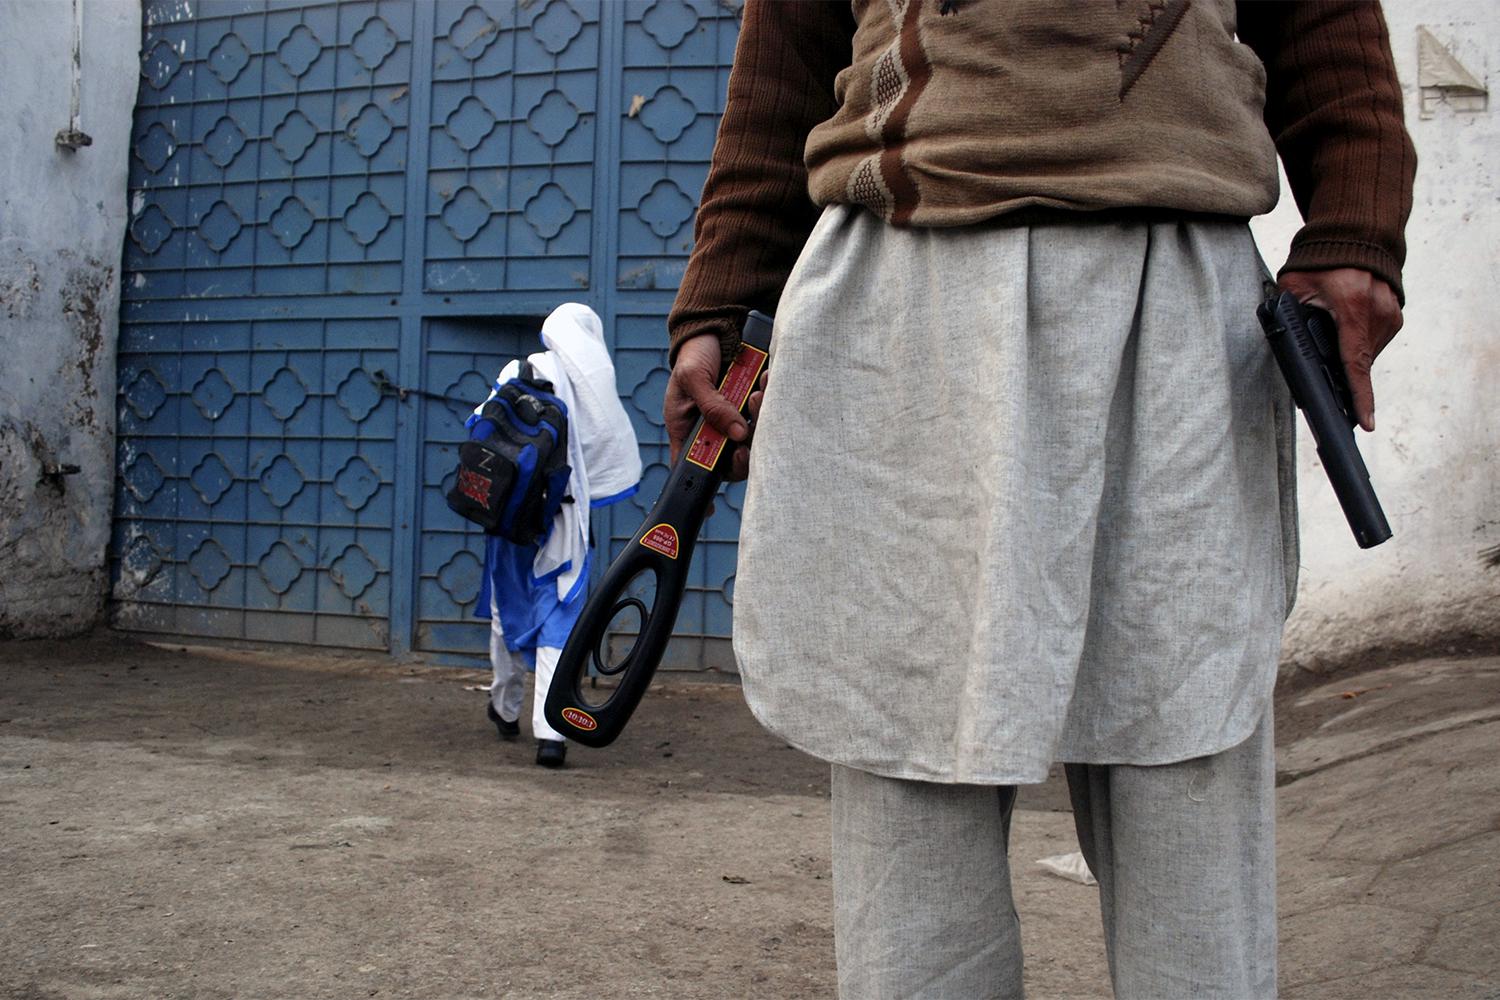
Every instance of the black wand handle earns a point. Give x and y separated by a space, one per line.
663 547
1305 342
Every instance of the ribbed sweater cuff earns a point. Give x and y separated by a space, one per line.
726 329
1327 255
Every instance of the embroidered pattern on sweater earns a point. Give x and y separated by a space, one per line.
888 84
880 181
1157 22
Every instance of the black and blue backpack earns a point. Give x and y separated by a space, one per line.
513 470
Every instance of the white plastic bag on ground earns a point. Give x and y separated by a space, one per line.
1071 867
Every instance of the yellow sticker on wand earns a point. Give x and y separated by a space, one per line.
663 539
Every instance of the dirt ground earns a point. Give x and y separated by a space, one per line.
194 822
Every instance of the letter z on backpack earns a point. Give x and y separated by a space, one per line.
513 470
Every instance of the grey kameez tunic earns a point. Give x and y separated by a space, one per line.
1018 494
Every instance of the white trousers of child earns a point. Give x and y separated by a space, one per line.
509 689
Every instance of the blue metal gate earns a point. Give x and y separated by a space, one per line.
344 217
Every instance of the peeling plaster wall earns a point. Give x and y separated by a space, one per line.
1433 457
62 220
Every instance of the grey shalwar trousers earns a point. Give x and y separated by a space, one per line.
1184 854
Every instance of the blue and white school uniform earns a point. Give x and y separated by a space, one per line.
533 594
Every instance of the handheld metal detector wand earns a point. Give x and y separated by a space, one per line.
661 549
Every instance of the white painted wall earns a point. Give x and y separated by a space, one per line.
1433 456
62 222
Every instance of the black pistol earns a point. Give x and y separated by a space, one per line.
1306 346
662 549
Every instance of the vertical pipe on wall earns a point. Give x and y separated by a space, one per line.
73 124
73 137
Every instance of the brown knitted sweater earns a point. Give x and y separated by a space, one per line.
954 112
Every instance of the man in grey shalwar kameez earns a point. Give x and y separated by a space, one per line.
1021 489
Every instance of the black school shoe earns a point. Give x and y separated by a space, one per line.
551 753
507 730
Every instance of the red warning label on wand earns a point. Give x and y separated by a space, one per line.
738 381
663 539
579 718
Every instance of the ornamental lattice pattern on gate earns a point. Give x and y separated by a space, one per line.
344 217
